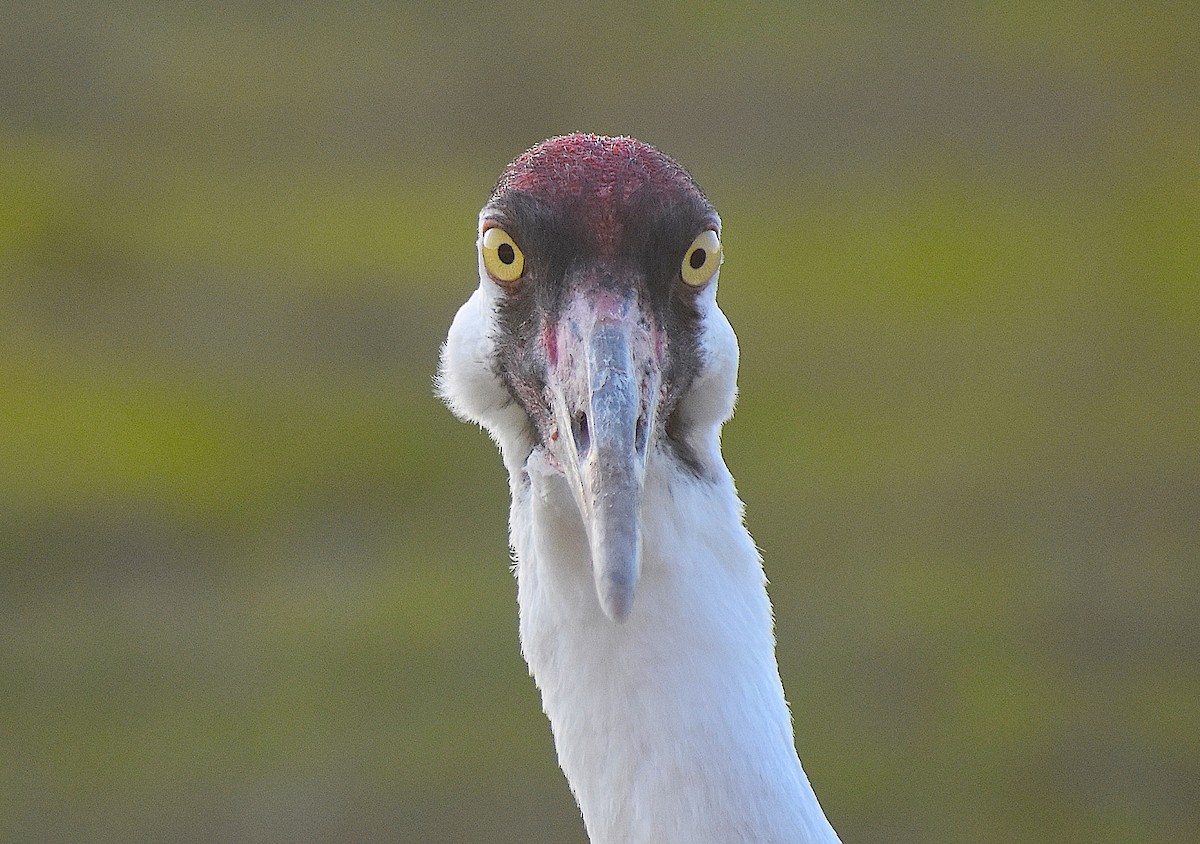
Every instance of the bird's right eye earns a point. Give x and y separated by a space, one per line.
502 258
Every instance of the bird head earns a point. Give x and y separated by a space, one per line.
594 339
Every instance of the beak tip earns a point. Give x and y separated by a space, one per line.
616 597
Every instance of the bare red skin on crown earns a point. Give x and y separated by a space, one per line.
596 174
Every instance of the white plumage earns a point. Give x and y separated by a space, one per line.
667 710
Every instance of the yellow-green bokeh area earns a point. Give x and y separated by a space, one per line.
254 578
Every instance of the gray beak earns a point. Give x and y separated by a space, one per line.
604 386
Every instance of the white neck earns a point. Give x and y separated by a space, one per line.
670 727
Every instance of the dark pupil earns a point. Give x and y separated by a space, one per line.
506 254
698 258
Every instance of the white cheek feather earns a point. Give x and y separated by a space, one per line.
467 380
710 399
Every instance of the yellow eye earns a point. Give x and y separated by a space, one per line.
702 259
502 258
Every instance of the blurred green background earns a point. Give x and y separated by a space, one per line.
254 578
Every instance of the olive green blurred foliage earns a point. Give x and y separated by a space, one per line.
253 578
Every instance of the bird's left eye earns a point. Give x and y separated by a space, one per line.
502 258
702 259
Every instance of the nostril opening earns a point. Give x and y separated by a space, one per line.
639 434
579 427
